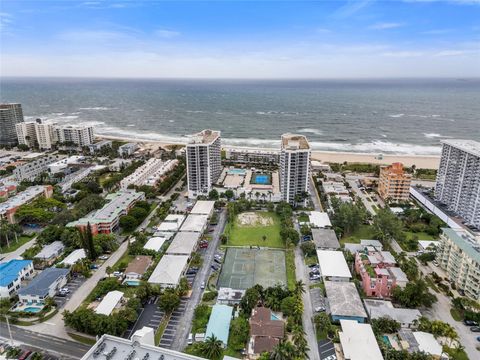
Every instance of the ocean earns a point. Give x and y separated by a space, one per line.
370 116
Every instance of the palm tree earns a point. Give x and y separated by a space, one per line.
283 351
264 238
299 288
212 348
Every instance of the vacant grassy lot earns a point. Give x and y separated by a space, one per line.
420 235
363 232
245 235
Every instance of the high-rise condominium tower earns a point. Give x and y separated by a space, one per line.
10 115
458 179
203 162
294 168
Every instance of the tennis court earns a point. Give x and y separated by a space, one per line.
245 267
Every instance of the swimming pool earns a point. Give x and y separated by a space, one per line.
261 179
274 317
236 171
132 282
386 340
32 309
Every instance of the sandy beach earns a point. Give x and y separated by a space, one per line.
420 161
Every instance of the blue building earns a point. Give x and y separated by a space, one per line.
12 273
219 323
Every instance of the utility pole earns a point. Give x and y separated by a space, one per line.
9 330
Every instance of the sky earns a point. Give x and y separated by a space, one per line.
240 39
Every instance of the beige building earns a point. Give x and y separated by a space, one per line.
36 133
394 183
458 253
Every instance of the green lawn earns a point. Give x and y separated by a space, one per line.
420 235
363 232
245 235
15 245
290 267
457 316
303 218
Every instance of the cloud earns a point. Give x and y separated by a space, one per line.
351 7
167 34
403 54
385 26
437 31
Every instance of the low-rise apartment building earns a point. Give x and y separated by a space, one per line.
252 157
149 173
49 254
106 219
127 149
394 183
458 253
93 148
378 272
30 170
13 273
43 286
9 207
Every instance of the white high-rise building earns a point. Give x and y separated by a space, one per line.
37 133
294 168
204 163
458 179
10 115
81 135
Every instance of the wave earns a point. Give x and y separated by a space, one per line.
97 108
311 131
396 115
376 146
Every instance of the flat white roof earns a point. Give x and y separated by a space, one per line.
470 146
169 270
168 226
74 256
203 207
333 263
109 302
358 341
155 243
319 219
194 223
175 218
50 250
183 243
427 343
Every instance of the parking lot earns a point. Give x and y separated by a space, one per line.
326 350
171 328
317 299
73 284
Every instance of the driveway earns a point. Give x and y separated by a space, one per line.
16 253
185 322
307 317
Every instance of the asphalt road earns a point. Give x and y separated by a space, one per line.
185 323
314 195
16 253
65 349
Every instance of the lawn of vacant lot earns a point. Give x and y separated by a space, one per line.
363 232
249 229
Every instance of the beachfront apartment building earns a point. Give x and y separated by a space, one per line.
252 157
458 253
30 170
80 135
149 173
394 183
10 115
294 168
127 149
9 207
106 220
379 272
37 133
13 273
204 163
458 179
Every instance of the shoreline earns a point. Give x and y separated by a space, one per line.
420 161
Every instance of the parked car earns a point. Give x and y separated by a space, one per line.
217 261
478 338
470 322
103 257
65 289
93 266
320 309
202 287
313 265
117 273
331 357
190 339
435 262
24 355
191 272
475 329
